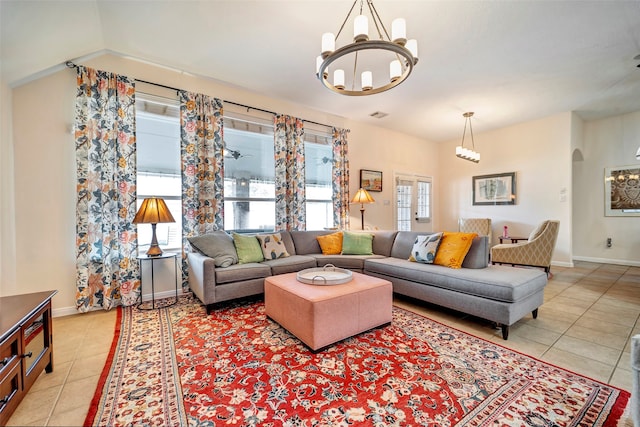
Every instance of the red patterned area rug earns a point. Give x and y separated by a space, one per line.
140 385
236 367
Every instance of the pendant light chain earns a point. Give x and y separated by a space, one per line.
473 143
464 153
346 19
374 15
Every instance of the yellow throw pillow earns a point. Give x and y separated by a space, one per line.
453 248
331 244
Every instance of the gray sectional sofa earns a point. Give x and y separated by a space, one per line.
497 293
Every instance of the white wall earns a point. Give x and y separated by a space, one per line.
607 143
382 150
539 152
7 214
44 168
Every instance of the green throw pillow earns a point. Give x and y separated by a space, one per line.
357 243
248 248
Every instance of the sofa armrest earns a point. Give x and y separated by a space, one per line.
202 277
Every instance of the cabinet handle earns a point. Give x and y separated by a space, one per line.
27 354
4 361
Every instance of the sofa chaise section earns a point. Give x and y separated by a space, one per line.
500 294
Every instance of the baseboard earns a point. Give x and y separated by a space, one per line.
68 311
608 261
562 264
160 295
64 311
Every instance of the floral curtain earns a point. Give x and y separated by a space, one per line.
107 272
202 166
290 173
340 174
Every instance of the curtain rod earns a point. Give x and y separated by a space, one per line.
248 107
70 64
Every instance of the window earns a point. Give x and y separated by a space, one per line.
404 190
158 163
249 176
319 184
249 171
424 200
413 201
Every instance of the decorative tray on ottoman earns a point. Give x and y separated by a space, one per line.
327 275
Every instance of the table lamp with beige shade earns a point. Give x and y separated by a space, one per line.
153 211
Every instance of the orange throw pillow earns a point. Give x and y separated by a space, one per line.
453 248
331 244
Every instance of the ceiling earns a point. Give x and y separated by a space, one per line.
508 61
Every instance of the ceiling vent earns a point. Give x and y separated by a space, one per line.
378 114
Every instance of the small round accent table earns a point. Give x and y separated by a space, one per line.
513 239
152 260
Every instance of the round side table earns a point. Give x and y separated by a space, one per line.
152 260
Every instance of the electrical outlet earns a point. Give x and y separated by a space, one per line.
609 243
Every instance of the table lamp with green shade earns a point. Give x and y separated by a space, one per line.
153 211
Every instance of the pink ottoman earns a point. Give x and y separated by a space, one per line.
320 315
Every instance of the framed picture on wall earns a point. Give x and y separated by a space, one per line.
371 180
496 189
622 191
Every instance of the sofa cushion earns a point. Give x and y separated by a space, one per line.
287 240
290 264
403 243
357 243
478 255
350 262
425 248
217 245
383 241
495 282
331 244
272 246
453 248
240 272
306 241
248 248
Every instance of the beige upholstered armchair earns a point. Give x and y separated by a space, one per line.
536 252
481 226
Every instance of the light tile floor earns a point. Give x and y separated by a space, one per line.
590 313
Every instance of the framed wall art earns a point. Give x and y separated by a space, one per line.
622 191
496 189
370 180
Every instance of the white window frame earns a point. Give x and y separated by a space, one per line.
418 211
172 229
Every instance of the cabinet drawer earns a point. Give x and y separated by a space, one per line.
9 353
10 393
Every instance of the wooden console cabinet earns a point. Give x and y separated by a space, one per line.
26 346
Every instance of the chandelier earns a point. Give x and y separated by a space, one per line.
465 153
368 56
